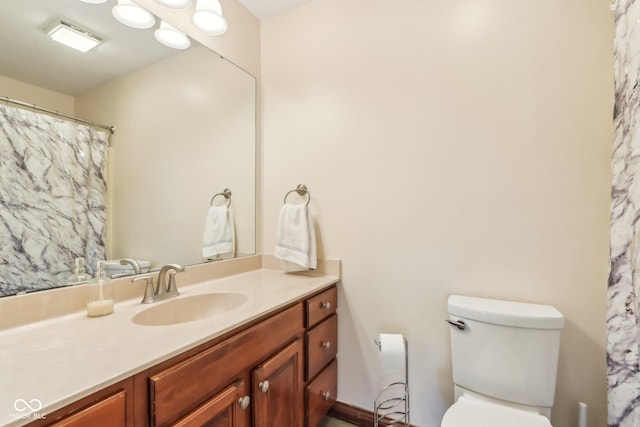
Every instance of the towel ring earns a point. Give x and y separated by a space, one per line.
227 195
302 191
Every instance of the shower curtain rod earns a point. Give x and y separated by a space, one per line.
35 107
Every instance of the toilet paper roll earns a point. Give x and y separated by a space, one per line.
392 354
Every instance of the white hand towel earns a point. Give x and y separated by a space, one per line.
296 239
219 240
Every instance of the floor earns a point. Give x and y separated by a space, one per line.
332 422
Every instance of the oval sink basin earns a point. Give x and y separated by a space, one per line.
189 309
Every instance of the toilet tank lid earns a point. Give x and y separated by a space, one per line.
507 313
471 412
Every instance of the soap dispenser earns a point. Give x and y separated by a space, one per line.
79 275
100 293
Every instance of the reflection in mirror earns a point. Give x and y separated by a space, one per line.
185 130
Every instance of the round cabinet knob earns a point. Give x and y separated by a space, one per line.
326 345
264 386
326 395
325 305
244 402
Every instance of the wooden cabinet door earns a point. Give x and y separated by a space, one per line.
229 408
277 389
109 412
112 406
177 389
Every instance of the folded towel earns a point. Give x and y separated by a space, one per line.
296 238
219 241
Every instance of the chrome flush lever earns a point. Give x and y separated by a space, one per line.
458 324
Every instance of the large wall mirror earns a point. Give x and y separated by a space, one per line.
184 126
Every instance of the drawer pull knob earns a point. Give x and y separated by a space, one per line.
326 344
244 402
264 386
325 305
326 395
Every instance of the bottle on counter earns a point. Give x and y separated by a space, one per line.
100 293
79 275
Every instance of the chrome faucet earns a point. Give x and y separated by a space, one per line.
162 291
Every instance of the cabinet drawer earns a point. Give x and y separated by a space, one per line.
321 306
322 345
321 394
179 389
110 412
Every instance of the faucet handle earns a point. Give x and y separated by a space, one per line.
148 291
176 267
172 288
162 289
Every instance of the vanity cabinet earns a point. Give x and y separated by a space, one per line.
276 371
275 400
110 407
321 366
228 408
176 390
277 389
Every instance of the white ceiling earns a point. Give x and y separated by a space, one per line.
27 54
266 8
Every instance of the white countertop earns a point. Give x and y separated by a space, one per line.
47 365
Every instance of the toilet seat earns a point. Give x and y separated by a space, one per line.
473 412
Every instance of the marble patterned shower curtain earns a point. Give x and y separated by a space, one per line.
52 198
623 317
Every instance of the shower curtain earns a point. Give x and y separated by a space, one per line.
623 317
52 199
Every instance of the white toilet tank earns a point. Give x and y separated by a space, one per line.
508 350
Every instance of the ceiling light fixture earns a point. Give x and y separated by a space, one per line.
129 13
72 36
175 4
94 1
208 17
171 37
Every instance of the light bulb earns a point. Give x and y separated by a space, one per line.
208 17
171 37
129 13
175 4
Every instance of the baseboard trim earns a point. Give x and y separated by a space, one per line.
353 415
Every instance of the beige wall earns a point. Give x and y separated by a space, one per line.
31 94
450 147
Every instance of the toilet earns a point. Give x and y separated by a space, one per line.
504 357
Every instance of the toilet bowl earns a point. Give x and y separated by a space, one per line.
504 359
468 411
